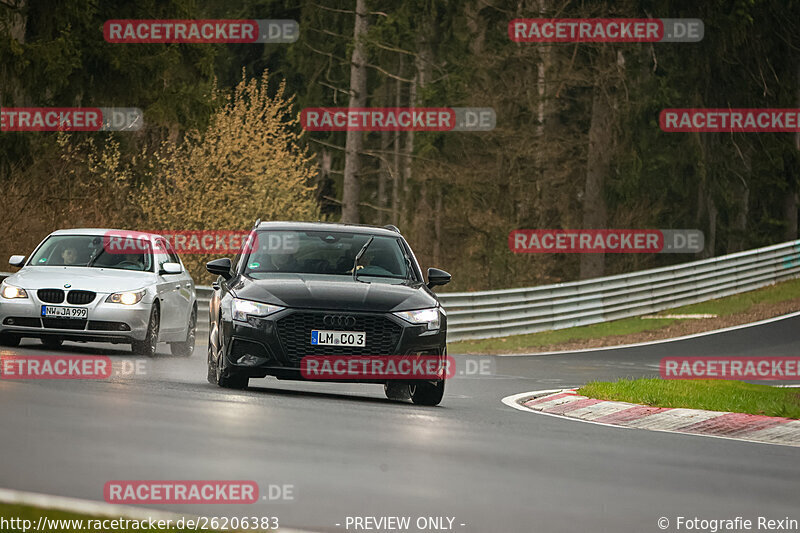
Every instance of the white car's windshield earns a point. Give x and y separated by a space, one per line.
88 251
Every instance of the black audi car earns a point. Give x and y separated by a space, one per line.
302 290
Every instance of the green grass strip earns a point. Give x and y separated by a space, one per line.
711 395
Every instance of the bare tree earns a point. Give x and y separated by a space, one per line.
358 98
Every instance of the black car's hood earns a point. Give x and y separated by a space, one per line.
310 291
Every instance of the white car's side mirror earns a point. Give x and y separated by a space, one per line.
171 268
16 260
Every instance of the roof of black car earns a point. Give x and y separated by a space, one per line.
328 226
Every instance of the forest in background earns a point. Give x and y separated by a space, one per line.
577 142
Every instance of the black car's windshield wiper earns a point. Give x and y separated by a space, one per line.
358 256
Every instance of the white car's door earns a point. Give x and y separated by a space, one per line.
173 315
185 286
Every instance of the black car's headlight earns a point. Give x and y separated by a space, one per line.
430 317
241 309
10 291
127 297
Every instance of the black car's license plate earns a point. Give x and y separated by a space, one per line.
321 337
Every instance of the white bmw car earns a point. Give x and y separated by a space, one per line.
75 287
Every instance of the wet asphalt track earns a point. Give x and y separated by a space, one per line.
350 452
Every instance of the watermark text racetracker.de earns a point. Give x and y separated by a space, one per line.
738 368
129 31
605 30
70 119
398 119
222 242
217 523
615 241
194 492
68 367
744 120
184 491
426 367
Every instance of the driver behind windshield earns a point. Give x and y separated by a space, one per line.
69 256
131 262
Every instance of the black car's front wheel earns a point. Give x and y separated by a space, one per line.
222 377
397 391
426 393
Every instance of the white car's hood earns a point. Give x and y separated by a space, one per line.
102 280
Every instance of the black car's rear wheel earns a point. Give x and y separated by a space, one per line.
397 391
426 393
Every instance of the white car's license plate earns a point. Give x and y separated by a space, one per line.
52 311
338 338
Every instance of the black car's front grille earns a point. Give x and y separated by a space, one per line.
64 323
51 296
294 331
81 297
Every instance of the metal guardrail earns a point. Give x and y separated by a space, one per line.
489 314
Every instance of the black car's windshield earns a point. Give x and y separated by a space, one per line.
88 251
324 252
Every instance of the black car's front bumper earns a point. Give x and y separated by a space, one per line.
276 345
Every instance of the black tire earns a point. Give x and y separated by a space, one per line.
186 348
234 381
223 378
148 346
9 339
211 374
52 343
397 391
426 393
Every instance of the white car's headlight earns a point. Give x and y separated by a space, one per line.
243 308
9 291
421 316
126 298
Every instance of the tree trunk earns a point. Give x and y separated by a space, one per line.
598 167
790 215
17 28
409 151
737 237
384 175
398 173
790 201
358 98
437 228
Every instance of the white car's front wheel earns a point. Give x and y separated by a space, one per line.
150 343
186 348
9 339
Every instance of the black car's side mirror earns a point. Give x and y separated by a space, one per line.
437 277
220 267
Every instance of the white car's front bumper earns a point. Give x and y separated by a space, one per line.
105 322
